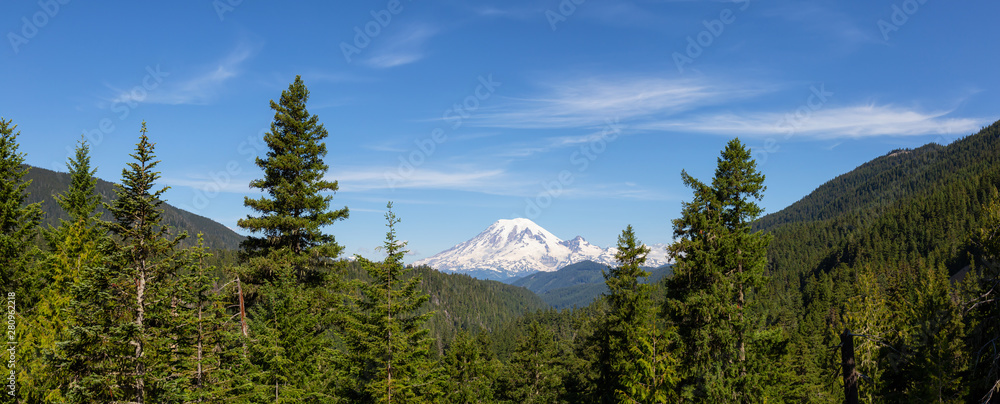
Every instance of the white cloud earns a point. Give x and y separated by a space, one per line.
212 185
590 102
826 123
198 89
373 178
403 48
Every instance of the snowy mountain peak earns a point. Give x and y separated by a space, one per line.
511 248
512 229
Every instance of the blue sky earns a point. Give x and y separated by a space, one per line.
577 114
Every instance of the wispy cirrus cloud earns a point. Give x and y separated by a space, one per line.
589 102
700 105
194 89
828 123
490 181
467 179
405 47
836 24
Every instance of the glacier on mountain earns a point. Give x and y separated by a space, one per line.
511 248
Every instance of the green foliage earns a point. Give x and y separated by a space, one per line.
982 307
294 210
387 345
288 334
47 184
463 303
122 318
720 266
641 369
902 251
893 219
18 221
73 245
472 368
534 373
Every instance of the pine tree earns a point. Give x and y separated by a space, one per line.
868 314
208 351
937 355
95 354
630 313
288 335
18 222
75 244
471 367
533 375
387 344
641 366
122 318
720 265
143 258
285 273
80 202
294 210
982 308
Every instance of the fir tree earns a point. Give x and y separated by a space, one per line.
982 308
95 355
294 210
208 349
285 272
18 222
142 258
720 265
640 364
630 313
75 244
387 344
533 375
80 202
118 346
288 336
472 368
937 355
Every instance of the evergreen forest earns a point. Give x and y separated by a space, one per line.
110 298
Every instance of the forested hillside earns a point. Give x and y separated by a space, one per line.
868 247
463 303
45 184
576 285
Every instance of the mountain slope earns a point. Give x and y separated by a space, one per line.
461 302
45 184
906 208
512 248
576 285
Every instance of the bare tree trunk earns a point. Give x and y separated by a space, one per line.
243 313
140 297
850 375
389 324
200 336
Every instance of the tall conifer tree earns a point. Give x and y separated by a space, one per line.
983 308
640 368
75 244
630 312
720 266
116 344
18 221
293 212
290 293
387 344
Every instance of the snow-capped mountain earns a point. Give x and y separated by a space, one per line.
513 248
